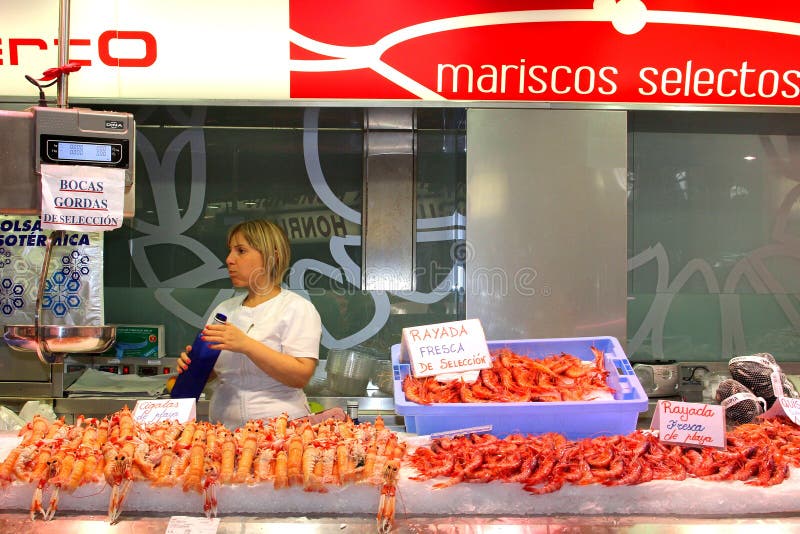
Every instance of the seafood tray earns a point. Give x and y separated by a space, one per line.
574 419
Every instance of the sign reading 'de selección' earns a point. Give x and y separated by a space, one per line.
688 423
444 348
148 412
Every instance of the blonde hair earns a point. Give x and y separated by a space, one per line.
270 240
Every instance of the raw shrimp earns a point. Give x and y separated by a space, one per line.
118 475
246 457
386 504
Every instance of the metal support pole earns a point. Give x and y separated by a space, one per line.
63 52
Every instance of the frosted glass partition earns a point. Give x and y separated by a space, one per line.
546 222
203 169
714 235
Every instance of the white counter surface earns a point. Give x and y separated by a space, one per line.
688 498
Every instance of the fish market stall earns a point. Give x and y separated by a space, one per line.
663 498
501 501
338 472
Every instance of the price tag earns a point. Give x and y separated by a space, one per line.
148 412
688 423
181 524
446 348
785 406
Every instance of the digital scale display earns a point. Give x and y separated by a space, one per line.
74 151
84 150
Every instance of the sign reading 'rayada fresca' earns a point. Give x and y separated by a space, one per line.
446 348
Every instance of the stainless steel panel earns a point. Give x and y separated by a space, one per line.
23 375
20 181
389 205
546 222
387 143
30 390
22 366
21 191
389 119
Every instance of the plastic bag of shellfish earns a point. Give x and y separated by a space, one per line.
9 421
762 375
34 408
741 405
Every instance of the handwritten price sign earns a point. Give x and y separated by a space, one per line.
785 406
688 423
446 348
148 412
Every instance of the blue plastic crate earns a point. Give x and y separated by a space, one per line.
574 419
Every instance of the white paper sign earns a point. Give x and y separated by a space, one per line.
82 198
689 423
152 411
446 348
182 524
785 406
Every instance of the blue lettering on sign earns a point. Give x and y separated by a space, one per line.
675 425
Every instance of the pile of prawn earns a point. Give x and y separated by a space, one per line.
198 456
759 454
516 378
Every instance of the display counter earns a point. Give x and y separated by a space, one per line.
691 497
658 505
99 407
662 505
525 482
235 524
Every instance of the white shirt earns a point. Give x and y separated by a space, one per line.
287 323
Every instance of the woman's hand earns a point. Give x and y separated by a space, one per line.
183 360
226 337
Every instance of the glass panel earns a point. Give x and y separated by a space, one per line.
441 207
713 235
202 169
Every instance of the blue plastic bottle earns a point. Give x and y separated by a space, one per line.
190 383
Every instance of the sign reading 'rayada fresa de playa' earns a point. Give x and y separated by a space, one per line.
688 423
634 51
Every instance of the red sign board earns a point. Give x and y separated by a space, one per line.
631 51
698 52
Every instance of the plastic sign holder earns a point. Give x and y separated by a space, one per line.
688 423
447 350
